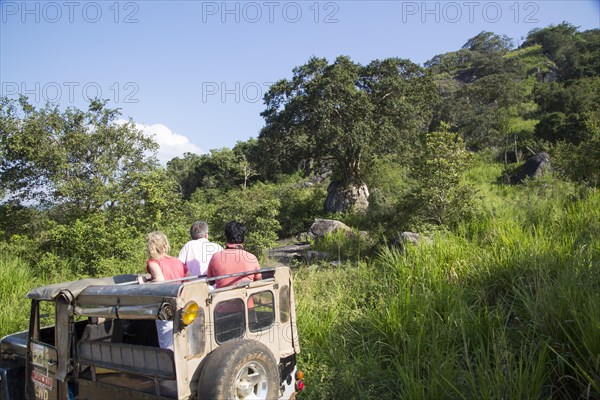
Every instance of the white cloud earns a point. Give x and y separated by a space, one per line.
171 144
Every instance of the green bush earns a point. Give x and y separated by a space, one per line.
386 180
581 162
91 243
438 195
257 208
299 207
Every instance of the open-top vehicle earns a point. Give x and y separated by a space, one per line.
237 342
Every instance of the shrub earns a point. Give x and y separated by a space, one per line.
257 208
91 240
438 195
299 207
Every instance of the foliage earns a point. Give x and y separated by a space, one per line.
299 206
577 55
96 246
501 308
438 196
482 109
581 162
153 203
345 112
481 55
16 279
183 170
489 43
388 179
565 108
80 161
222 169
257 208
344 247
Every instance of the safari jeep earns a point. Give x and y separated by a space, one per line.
237 342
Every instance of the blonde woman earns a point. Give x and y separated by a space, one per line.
163 267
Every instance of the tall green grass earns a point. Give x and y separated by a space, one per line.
16 280
505 307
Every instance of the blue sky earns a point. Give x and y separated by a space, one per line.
193 72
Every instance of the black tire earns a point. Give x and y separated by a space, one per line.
239 369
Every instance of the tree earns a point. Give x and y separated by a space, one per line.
564 109
489 43
257 208
449 62
581 162
79 161
183 170
480 110
221 169
556 40
345 113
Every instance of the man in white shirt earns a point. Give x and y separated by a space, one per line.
196 253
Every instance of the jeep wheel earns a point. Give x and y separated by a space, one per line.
242 369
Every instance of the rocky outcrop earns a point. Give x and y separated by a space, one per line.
547 74
345 197
322 227
409 238
314 180
535 167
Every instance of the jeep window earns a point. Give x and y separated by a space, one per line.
46 322
261 311
284 304
230 320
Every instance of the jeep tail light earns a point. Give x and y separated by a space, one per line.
299 381
189 313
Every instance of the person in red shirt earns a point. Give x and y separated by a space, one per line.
233 259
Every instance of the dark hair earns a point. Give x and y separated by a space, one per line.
234 232
199 230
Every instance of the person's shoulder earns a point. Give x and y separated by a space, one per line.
250 256
187 244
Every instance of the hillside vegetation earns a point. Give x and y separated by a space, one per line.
502 300
506 306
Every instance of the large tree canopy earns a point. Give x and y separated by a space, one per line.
345 113
80 161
